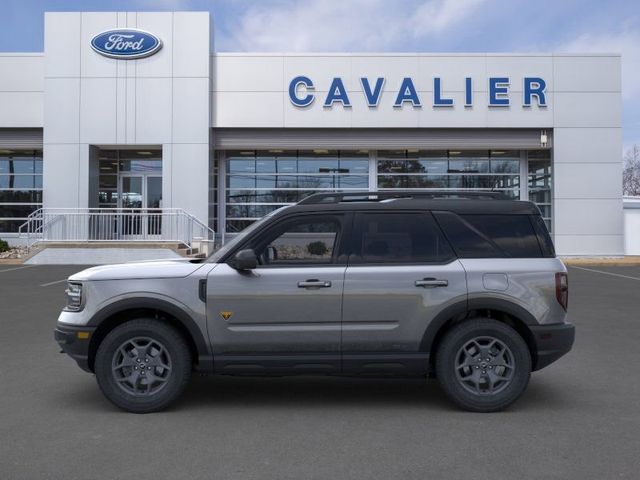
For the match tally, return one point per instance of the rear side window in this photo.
(467, 241)
(399, 238)
(486, 236)
(544, 239)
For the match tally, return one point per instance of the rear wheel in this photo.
(143, 365)
(483, 365)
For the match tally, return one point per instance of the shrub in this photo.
(317, 248)
(4, 246)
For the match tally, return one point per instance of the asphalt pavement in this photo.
(579, 419)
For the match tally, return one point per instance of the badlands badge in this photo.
(226, 315)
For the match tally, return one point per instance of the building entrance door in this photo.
(141, 201)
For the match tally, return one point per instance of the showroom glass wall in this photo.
(130, 179)
(20, 187)
(256, 182)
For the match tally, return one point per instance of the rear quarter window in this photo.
(491, 235)
(544, 239)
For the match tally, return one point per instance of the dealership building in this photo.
(132, 111)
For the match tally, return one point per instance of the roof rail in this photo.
(366, 196)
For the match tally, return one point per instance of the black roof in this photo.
(463, 202)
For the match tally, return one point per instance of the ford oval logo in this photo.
(126, 43)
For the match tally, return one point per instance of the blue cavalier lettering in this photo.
(498, 92)
(407, 93)
(534, 87)
(373, 97)
(293, 91)
(337, 93)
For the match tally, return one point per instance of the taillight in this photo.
(562, 289)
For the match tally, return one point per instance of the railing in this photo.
(113, 225)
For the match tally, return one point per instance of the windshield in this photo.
(239, 238)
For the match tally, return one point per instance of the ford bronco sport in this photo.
(462, 286)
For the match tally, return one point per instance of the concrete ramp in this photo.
(98, 256)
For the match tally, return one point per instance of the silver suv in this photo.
(462, 286)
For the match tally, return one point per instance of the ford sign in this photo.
(126, 43)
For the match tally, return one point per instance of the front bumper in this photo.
(75, 341)
(552, 342)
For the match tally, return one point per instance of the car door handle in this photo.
(313, 283)
(431, 283)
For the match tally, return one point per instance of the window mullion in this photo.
(373, 170)
(524, 176)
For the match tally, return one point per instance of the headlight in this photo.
(74, 297)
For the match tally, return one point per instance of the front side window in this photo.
(301, 241)
(399, 238)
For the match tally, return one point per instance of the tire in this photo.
(143, 365)
(471, 365)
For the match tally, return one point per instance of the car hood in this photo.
(139, 270)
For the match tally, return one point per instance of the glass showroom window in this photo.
(115, 164)
(258, 182)
(491, 170)
(20, 187)
(539, 178)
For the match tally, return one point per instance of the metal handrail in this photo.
(114, 225)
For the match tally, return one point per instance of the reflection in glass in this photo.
(141, 166)
(20, 186)
(540, 182)
(279, 178)
(236, 226)
(131, 192)
(20, 196)
(449, 181)
(20, 211)
(275, 177)
(113, 163)
(154, 192)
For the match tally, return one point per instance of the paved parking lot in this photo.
(580, 417)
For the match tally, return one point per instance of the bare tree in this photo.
(631, 171)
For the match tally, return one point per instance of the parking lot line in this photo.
(605, 273)
(16, 268)
(53, 283)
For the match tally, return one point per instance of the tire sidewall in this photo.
(178, 377)
(456, 339)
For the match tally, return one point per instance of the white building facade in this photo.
(229, 137)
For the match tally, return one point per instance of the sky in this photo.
(602, 26)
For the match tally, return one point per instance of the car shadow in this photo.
(286, 392)
(283, 393)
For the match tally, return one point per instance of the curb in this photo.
(629, 261)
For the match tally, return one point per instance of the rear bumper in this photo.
(552, 342)
(73, 344)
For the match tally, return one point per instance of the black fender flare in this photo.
(205, 357)
(459, 308)
(463, 307)
(505, 306)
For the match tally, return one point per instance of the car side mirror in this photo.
(245, 260)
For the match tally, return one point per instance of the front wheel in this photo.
(143, 365)
(483, 365)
